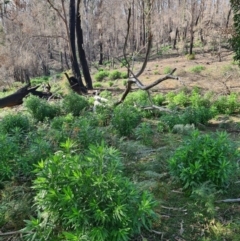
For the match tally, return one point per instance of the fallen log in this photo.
(17, 97)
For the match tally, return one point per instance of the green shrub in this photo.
(199, 115)
(10, 149)
(115, 75)
(124, 75)
(144, 133)
(106, 94)
(204, 158)
(139, 96)
(197, 100)
(87, 198)
(190, 56)
(41, 109)
(181, 99)
(102, 74)
(84, 131)
(159, 99)
(74, 103)
(167, 70)
(125, 119)
(197, 69)
(227, 104)
(110, 83)
(59, 121)
(10, 122)
(97, 85)
(190, 115)
(103, 115)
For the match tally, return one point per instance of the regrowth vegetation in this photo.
(106, 175)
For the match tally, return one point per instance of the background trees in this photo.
(33, 39)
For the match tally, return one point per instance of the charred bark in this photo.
(81, 51)
(17, 97)
(74, 62)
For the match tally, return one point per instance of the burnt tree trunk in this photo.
(81, 51)
(72, 24)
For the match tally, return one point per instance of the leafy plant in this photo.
(74, 103)
(180, 99)
(125, 119)
(87, 198)
(10, 149)
(190, 56)
(139, 96)
(41, 109)
(190, 115)
(102, 74)
(204, 158)
(106, 94)
(97, 85)
(10, 122)
(158, 99)
(197, 69)
(110, 83)
(124, 75)
(227, 104)
(197, 100)
(85, 133)
(167, 70)
(144, 133)
(115, 75)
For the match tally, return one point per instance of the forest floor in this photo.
(205, 71)
(182, 217)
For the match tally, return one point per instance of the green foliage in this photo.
(10, 150)
(167, 70)
(197, 69)
(97, 85)
(103, 115)
(125, 119)
(11, 122)
(191, 115)
(180, 99)
(115, 75)
(102, 74)
(227, 104)
(74, 103)
(124, 75)
(158, 99)
(144, 133)
(204, 158)
(164, 49)
(84, 133)
(110, 83)
(190, 56)
(139, 96)
(197, 100)
(87, 198)
(40, 80)
(106, 94)
(40, 108)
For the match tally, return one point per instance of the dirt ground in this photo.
(216, 76)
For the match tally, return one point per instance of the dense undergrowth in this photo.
(128, 173)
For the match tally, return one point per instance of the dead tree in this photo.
(133, 79)
(17, 97)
